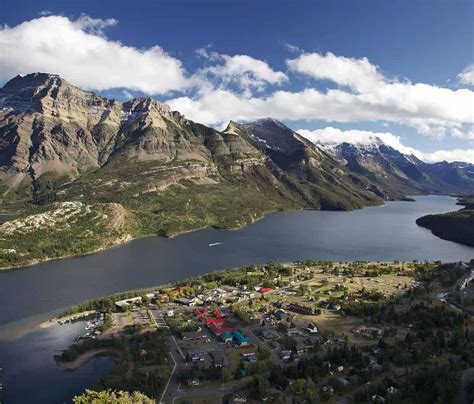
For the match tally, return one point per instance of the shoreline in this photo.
(56, 320)
(171, 236)
(85, 357)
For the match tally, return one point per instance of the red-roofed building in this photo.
(217, 313)
(216, 330)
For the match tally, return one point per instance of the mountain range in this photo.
(166, 174)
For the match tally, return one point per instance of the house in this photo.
(185, 301)
(252, 358)
(281, 314)
(377, 367)
(285, 355)
(301, 348)
(197, 355)
(220, 360)
(312, 329)
(269, 334)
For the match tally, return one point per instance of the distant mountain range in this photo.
(164, 174)
(401, 173)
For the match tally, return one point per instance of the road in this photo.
(172, 386)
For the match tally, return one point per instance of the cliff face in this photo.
(50, 129)
(53, 133)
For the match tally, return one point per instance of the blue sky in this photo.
(402, 67)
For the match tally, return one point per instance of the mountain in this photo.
(400, 173)
(312, 172)
(59, 144)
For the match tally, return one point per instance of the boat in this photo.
(213, 244)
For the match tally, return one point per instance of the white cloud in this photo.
(428, 109)
(79, 51)
(466, 155)
(246, 72)
(365, 96)
(464, 135)
(330, 136)
(372, 96)
(293, 48)
(359, 74)
(467, 75)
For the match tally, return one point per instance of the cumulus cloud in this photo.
(467, 75)
(428, 108)
(330, 136)
(79, 51)
(359, 74)
(364, 95)
(245, 71)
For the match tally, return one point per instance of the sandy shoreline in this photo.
(85, 357)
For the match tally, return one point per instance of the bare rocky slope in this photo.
(61, 144)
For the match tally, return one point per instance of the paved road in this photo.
(172, 385)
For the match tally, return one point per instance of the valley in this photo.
(257, 332)
(148, 171)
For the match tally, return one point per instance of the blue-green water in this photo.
(32, 294)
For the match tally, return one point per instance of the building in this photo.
(298, 308)
(240, 339)
(185, 301)
(124, 304)
(220, 360)
(193, 335)
(270, 334)
(252, 358)
(312, 329)
(285, 355)
(227, 336)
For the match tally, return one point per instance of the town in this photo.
(310, 331)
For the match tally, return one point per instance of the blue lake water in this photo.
(30, 295)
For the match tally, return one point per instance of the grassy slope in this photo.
(103, 226)
(230, 203)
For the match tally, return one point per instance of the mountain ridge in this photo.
(60, 144)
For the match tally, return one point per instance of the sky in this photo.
(335, 70)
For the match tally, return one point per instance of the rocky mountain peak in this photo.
(48, 94)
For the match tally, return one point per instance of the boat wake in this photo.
(214, 244)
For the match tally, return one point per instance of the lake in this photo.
(31, 295)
